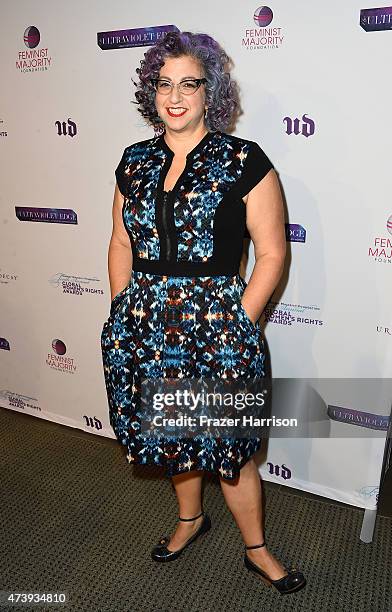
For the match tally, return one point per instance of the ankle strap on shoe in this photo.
(191, 519)
(255, 546)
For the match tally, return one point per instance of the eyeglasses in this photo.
(187, 87)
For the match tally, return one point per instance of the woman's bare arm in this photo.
(265, 222)
(120, 252)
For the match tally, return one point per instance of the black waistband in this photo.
(183, 268)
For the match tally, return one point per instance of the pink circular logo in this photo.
(59, 347)
(31, 37)
(263, 16)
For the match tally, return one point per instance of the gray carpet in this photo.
(76, 518)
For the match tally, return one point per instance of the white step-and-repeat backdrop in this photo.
(316, 96)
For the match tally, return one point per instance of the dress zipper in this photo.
(165, 225)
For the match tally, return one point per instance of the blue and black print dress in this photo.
(181, 314)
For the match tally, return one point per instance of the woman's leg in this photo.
(188, 490)
(243, 498)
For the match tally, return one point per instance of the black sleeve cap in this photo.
(257, 165)
(121, 177)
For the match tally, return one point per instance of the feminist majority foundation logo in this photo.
(381, 249)
(58, 360)
(33, 60)
(264, 36)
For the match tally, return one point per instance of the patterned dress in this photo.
(181, 314)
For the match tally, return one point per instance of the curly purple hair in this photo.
(222, 95)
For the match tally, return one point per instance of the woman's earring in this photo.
(205, 113)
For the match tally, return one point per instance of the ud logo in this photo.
(304, 126)
(66, 128)
(278, 470)
(92, 422)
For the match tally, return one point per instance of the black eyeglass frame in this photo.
(154, 83)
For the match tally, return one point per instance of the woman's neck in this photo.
(182, 143)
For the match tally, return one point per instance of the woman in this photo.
(182, 203)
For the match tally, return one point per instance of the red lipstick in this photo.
(177, 114)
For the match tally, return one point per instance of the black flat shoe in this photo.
(293, 581)
(160, 552)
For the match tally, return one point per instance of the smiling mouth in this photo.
(176, 112)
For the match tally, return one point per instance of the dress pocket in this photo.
(254, 326)
(244, 319)
(240, 287)
(116, 301)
